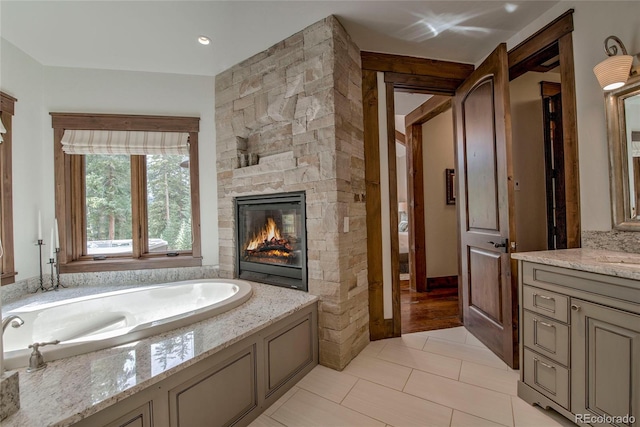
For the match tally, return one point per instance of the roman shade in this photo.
(2, 130)
(124, 142)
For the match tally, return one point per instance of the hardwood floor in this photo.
(426, 311)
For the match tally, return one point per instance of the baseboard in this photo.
(442, 282)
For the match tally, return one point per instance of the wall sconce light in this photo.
(614, 71)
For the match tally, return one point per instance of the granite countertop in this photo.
(72, 389)
(618, 264)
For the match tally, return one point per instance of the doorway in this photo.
(435, 307)
(382, 73)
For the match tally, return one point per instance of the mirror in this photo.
(623, 128)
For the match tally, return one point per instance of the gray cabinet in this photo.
(218, 396)
(605, 361)
(139, 417)
(580, 344)
(230, 387)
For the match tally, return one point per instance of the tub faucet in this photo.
(12, 319)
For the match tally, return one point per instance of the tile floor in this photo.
(434, 378)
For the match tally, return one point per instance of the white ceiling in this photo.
(160, 36)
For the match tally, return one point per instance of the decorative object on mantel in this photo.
(613, 72)
(247, 159)
(451, 185)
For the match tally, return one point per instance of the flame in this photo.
(270, 231)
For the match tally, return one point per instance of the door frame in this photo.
(442, 78)
(401, 73)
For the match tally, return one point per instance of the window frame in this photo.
(7, 109)
(70, 194)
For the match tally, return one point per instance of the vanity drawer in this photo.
(546, 376)
(548, 337)
(545, 302)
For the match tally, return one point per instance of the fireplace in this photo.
(271, 239)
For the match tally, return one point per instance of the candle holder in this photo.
(51, 263)
(58, 284)
(40, 244)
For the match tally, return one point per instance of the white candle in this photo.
(39, 225)
(52, 245)
(57, 234)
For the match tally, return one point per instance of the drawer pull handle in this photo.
(546, 365)
(575, 307)
(548, 325)
(544, 297)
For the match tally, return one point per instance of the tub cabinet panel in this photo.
(230, 387)
(139, 417)
(580, 343)
(122, 415)
(219, 396)
(287, 352)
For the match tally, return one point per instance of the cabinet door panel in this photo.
(547, 377)
(139, 417)
(605, 361)
(545, 302)
(546, 336)
(217, 397)
(287, 353)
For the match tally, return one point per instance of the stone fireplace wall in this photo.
(298, 105)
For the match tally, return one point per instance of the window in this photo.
(126, 191)
(7, 270)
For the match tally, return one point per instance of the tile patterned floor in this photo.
(434, 378)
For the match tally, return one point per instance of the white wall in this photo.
(440, 219)
(527, 126)
(22, 77)
(593, 22)
(42, 89)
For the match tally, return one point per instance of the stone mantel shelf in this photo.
(72, 389)
(610, 263)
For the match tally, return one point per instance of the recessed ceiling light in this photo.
(204, 40)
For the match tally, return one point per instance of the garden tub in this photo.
(109, 319)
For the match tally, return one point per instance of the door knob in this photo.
(575, 307)
(499, 245)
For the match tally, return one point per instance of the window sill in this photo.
(8, 278)
(90, 266)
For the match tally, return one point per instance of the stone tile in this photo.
(470, 353)
(378, 371)
(383, 404)
(526, 415)
(504, 381)
(428, 362)
(330, 384)
(265, 421)
(461, 419)
(467, 398)
(308, 409)
(278, 403)
(458, 334)
(409, 340)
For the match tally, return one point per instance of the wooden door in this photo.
(486, 215)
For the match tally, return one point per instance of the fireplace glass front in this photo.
(271, 239)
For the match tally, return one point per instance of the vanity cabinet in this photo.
(230, 387)
(580, 343)
(606, 363)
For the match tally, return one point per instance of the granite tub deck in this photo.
(610, 263)
(72, 389)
